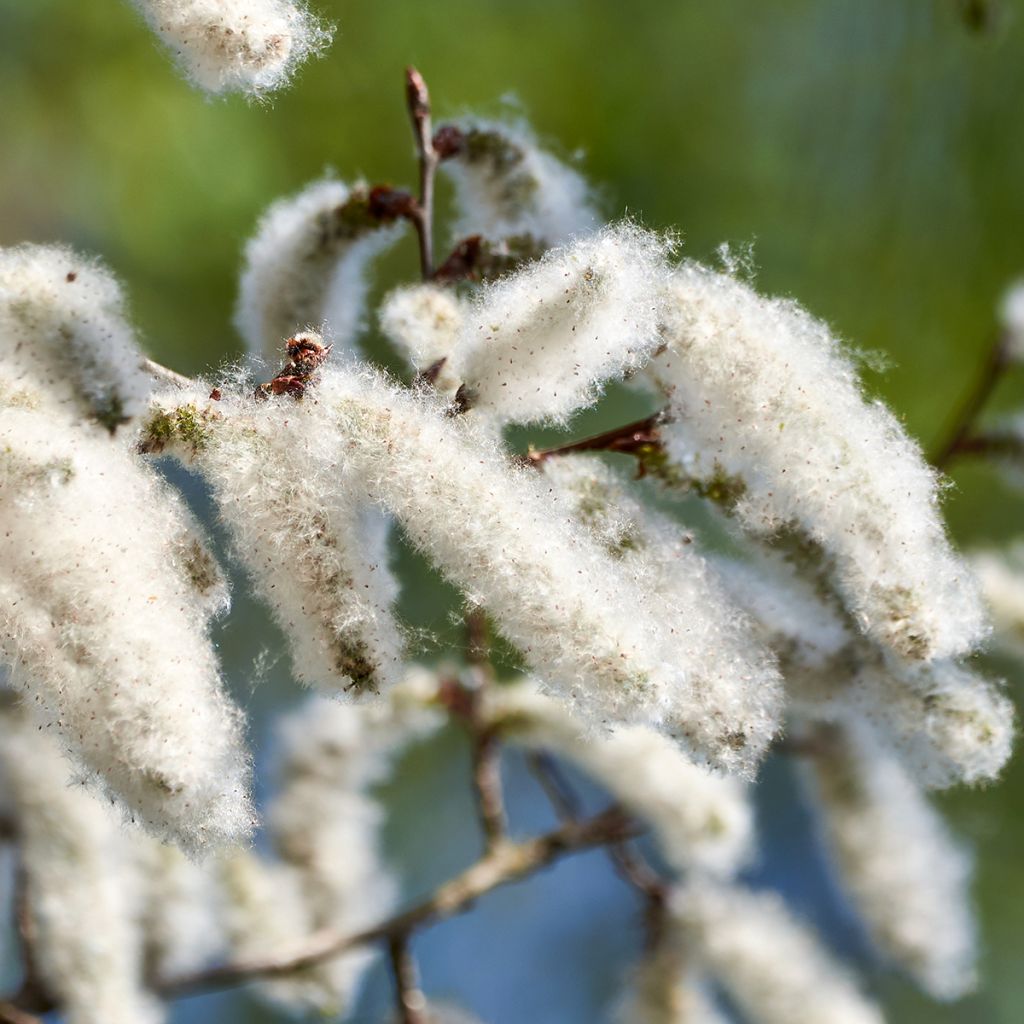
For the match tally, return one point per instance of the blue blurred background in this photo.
(871, 153)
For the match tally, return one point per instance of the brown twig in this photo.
(422, 216)
(627, 439)
(506, 863)
(957, 439)
(11, 1014)
(487, 785)
(412, 1005)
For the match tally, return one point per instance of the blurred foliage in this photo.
(869, 152)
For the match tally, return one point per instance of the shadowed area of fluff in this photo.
(250, 46)
(762, 393)
(103, 632)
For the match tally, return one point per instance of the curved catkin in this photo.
(763, 394)
(491, 527)
(81, 894)
(307, 263)
(506, 185)
(700, 820)
(325, 825)
(770, 965)
(539, 344)
(101, 630)
(65, 342)
(250, 46)
(734, 682)
(314, 547)
(906, 875)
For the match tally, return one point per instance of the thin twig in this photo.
(10, 1014)
(996, 363)
(490, 800)
(166, 374)
(627, 439)
(412, 1004)
(508, 862)
(418, 100)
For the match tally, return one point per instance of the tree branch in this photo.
(411, 1002)
(422, 216)
(506, 863)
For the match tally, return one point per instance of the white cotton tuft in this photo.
(423, 322)
(734, 690)
(315, 549)
(700, 820)
(250, 46)
(540, 343)
(771, 966)
(763, 394)
(948, 724)
(491, 527)
(907, 876)
(81, 895)
(180, 909)
(101, 629)
(1002, 580)
(506, 185)
(1011, 319)
(65, 342)
(306, 264)
(325, 825)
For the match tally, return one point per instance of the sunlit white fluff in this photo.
(506, 185)
(772, 967)
(1002, 580)
(250, 46)
(325, 825)
(100, 627)
(733, 682)
(540, 343)
(763, 392)
(306, 264)
(700, 820)
(317, 552)
(489, 524)
(64, 336)
(423, 322)
(907, 876)
(82, 899)
(1011, 318)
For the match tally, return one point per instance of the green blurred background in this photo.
(871, 151)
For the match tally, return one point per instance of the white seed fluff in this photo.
(763, 392)
(1002, 580)
(772, 967)
(491, 527)
(907, 876)
(539, 344)
(1011, 319)
(316, 551)
(250, 46)
(423, 322)
(65, 337)
(733, 681)
(506, 185)
(306, 265)
(100, 628)
(82, 900)
(700, 820)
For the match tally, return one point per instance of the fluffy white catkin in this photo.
(539, 344)
(65, 342)
(1002, 580)
(250, 46)
(1011, 319)
(700, 820)
(771, 966)
(732, 677)
(316, 551)
(581, 622)
(423, 322)
(907, 876)
(762, 392)
(506, 185)
(81, 895)
(101, 629)
(305, 264)
(325, 825)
